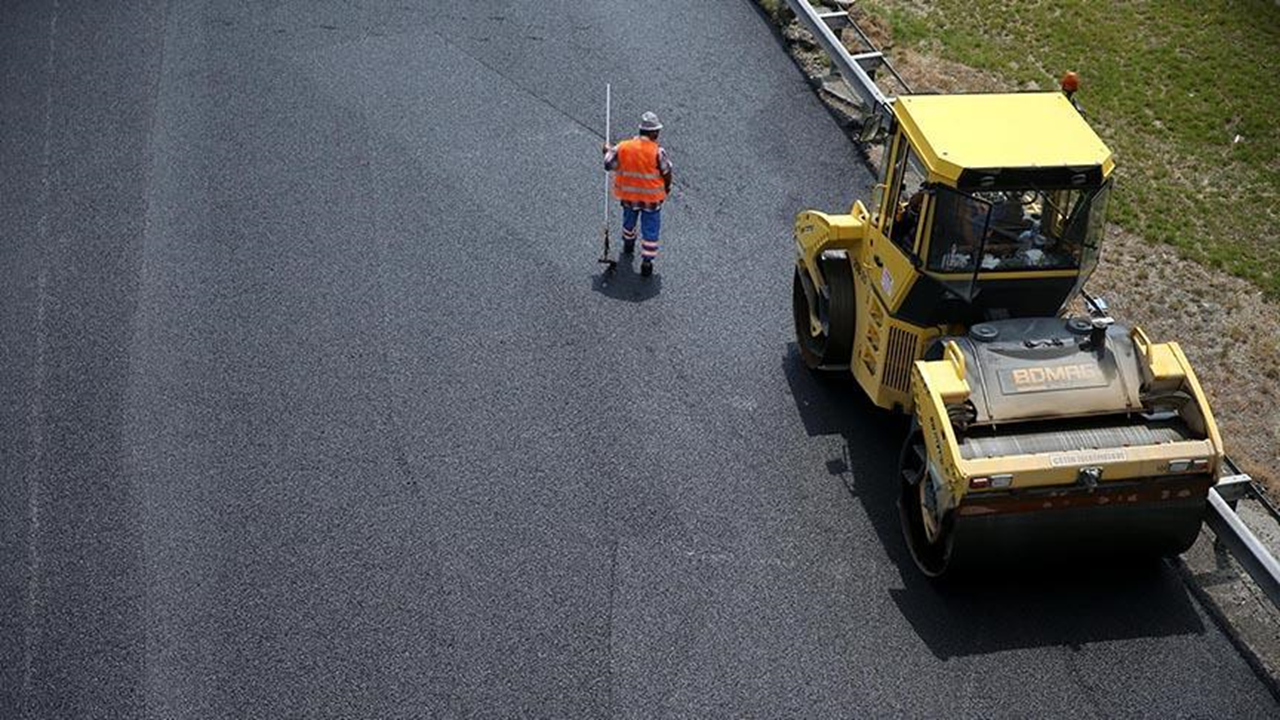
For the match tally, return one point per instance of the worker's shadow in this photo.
(999, 608)
(625, 283)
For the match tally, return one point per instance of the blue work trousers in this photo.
(650, 222)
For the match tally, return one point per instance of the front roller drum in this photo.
(829, 345)
(1122, 521)
(930, 540)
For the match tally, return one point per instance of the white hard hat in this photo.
(649, 122)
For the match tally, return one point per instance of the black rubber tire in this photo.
(833, 350)
(932, 558)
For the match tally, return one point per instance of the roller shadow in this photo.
(625, 283)
(995, 609)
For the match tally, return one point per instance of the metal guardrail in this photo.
(1227, 527)
(822, 23)
(856, 72)
(852, 76)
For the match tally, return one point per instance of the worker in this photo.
(970, 215)
(906, 219)
(641, 181)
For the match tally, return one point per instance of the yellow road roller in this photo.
(948, 297)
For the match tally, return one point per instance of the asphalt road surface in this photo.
(313, 403)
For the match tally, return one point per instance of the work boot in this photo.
(646, 267)
(628, 246)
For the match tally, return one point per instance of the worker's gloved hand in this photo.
(606, 148)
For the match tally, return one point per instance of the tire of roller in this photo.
(933, 559)
(835, 348)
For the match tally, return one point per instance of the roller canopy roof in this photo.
(1000, 140)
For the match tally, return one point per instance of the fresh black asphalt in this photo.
(313, 403)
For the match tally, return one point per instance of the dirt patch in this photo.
(1224, 324)
(928, 74)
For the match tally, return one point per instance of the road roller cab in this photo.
(989, 206)
(947, 296)
(997, 199)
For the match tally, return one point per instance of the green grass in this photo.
(1169, 84)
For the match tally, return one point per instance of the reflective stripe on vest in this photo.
(637, 178)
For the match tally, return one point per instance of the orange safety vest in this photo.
(637, 178)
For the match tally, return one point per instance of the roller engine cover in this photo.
(1031, 368)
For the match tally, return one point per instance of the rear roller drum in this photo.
(828, 349)
(930, 539)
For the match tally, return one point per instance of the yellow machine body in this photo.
(949, 303)
(941, 383)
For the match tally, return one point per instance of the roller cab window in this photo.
(905, 198)
(1016, 230)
